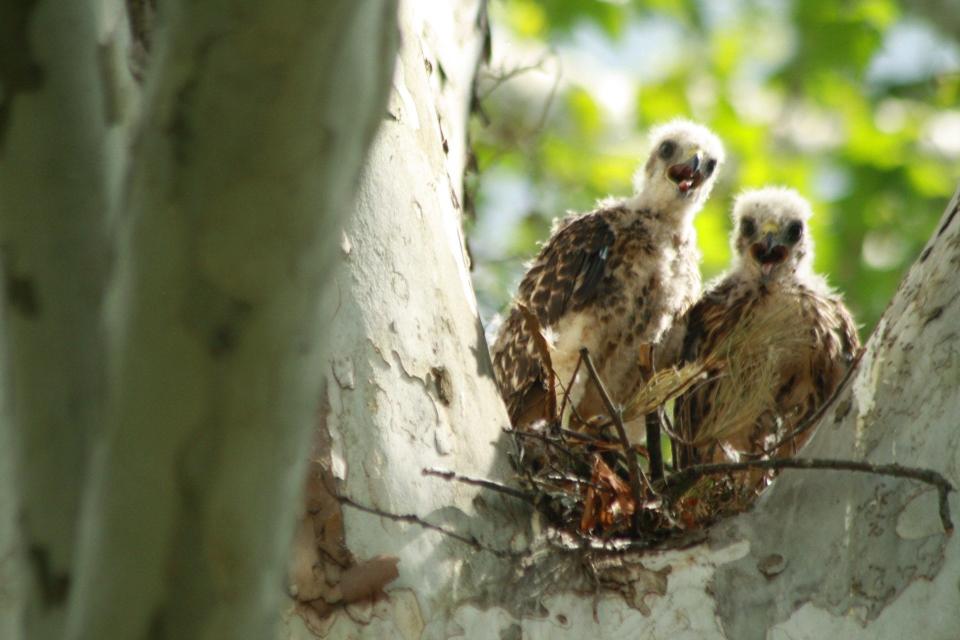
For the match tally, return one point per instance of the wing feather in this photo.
(566, 275)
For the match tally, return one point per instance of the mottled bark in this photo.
(256, 119)
(65, 102)
(409, 382)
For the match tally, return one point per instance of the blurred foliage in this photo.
(796, 90)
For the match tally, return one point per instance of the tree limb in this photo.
(943, 486)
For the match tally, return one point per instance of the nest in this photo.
(591, 479)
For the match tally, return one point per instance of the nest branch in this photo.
(410, 518)
(444, 474)
(693, 473)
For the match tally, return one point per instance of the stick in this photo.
(566, 391)
(409, 518)
(635, 473)
(943, 486)
(653, 446)
(550, 442)
(443, 474)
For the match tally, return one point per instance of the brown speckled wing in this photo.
(707, 322)
(837, 340)
(565, 276)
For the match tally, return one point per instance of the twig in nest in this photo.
(566, 391)
(636, 475)
(554, 442)
(417, 520)
(583, 435)
(943, 486)
(443, 474)
(669, 429)
(815, 417)
(654, 452)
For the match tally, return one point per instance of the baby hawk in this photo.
(800, 338)
(611, 279)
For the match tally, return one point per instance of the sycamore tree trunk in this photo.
(408, 387)
(151, 463)
(163, 287)
(66, 103)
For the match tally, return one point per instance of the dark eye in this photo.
(748, 227)
(667, 147)
(794, 231)
(710, 166)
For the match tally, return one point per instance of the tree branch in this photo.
(410, 518)
(568, 389)
(943, 486)
(519, 494)
(653, 445)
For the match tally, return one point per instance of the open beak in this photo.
(768, 254)
(687, 175)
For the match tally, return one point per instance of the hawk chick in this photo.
(612, 279)
(798, 337)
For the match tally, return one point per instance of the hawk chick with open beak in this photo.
(611, 279)
(801, 340)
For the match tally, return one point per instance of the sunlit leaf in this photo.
(586, 112)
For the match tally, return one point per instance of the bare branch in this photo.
(498, 79)
(569, 387)
(443, 474)
(554, 442)
(943, 486)
(410, 518)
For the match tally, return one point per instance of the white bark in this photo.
(242, 171)
(862, 556)
(66, 102)
(257, 115)
(409, 381)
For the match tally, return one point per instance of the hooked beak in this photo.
(687, 175)
(768, 254)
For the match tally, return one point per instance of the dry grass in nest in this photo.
(745, 370)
